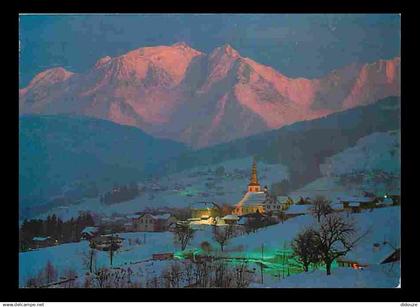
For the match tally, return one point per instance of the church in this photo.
(254, 199)
(259, 200)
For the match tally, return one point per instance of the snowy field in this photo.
(372, 156)
(375, 276)
(384, 224)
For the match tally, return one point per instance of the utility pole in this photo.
(111, 249)
(261, 263)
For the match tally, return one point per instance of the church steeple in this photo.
(254, 185)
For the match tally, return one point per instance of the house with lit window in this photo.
(150, 222)
(205, 210)
(277, 204)
(356, 204)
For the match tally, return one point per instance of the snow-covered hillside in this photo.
(373, 164)
(384, 224)
(375, 276)
(184, 189)
(377, 151)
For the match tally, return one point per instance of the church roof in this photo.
(252, 198)
(231, 217)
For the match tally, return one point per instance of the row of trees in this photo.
(221, 234)
(120, 194)
(216, 274)
(55, 228)
(49, 275)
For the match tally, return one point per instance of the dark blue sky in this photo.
(297, 45)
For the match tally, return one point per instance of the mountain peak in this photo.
(102, 61)
(181, 44)
(227, 50)
(51, 76)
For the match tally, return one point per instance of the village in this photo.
(205, 231)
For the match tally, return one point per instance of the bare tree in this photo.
(202, 274)
(321, 207)
(242, 276)
(113, 246)
(305, 248)
(222, 234)
(183, 234)
(188, 269)
(335, 237)
(35, 281)
(70, 275)
(50, 272)
(172, 276)
(89, 260)
(111, 278)
(222, 275)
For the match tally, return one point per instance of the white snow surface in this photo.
(184, 189)
(383, 225)
(375, 276)
(380, 150)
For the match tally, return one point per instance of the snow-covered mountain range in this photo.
(202, 99)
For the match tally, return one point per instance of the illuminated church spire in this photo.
(254, 185)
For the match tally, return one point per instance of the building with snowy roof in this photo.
(205, 210)
(253, 200)
(230, 219)
(296, 210)
(89, 232)
(356, 204)
(150, 222)
(39, 242)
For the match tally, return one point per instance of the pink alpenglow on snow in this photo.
(184, 94)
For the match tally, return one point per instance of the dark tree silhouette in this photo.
(321, 207)
(183, 234)
(222, 234)
(335, 237)
(306, 249)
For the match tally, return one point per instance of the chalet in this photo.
(356, 204)
(297, 210)
(377, 253)
(39, 242)
(386, 202)
(393, 257)
(106, 242)
(350, 263)
(89, 232)
(150, 222)
(230, 219)
(251, 217)
(205, 210)
(278, 203)
(396, 198)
